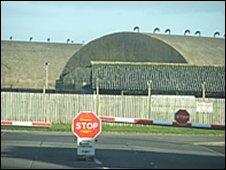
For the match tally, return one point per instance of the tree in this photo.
(136, 28)
(167, 30)
(72, 41)
(10, 37)
(156, 29)
(30, 38)
(216, 33)
(198, 32)
(68, 40)
(48, 39)
(187, 31)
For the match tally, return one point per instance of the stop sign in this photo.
(182, 117)
(86, 125)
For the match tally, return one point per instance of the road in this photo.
(29, 149)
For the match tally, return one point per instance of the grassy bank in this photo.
(153, 129)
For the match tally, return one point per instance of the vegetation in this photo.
(153, 129)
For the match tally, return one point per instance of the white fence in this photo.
(61, 108)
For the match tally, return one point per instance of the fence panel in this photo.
(217, 116)
(163, 108)
(61, 108)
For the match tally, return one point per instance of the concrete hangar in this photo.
(120, 62)
(127, 62)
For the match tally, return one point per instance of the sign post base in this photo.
(86, 126)
(85, 149)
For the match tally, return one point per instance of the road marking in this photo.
(2, 133)
(213, 151)
(100, 163)
(210, 143)
(97, 161)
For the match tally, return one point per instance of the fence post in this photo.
(122, 110)
(44, 106)
(97, 96)
(203, 90)
(149, 83)
(46, 74)
(44, 90)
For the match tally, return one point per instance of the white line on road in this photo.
(213, 151)
(2, 133)
(99, 163)
(211, 143)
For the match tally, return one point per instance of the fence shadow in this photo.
(111, 158)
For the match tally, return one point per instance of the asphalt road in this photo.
(21, 149)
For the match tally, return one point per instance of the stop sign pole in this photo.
(86, 126)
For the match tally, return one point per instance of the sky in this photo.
(84, 21)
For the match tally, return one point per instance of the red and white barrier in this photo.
(25, 123)
(111, 119)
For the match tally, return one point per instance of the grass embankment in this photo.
(153, 129)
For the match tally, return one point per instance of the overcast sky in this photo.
(86, 21)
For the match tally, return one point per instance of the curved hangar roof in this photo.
(196, 50)
(141, 47)
(144, 47)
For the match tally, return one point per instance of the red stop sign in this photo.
(182, 117)
(86, 125)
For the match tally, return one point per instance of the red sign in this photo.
(86, 125)
(182, 117)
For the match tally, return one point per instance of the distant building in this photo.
(121, 62)
(126, 61)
